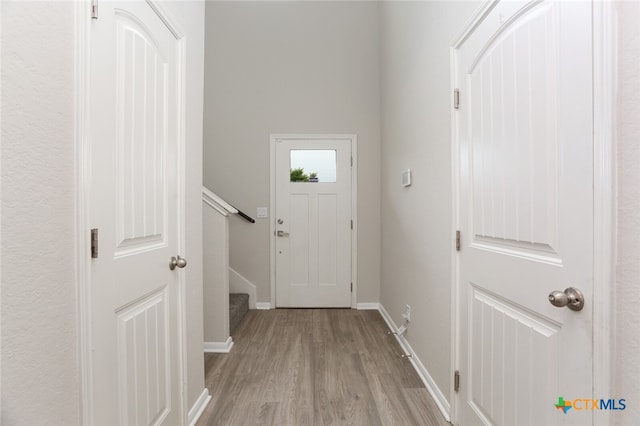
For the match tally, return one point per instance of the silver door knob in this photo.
(177, 261)
(282, 234)
(571, 297)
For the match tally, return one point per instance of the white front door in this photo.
(313, 223)
(525, 135)
(135, 203)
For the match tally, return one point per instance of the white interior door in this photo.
(526, 213)
(135, 203)
(313, 223)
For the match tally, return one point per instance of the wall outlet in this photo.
(407, 313)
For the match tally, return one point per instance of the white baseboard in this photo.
(239, 284)
(219, 347)
(198, 408)
(368, 306)
(429, 383)
(263, 306)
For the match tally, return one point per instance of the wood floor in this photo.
(315, 367)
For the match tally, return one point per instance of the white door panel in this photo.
(526, 213)
(135, 135)
(313, 253)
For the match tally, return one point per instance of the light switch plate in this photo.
(406, 178)
(262, 212)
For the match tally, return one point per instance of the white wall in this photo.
(627, 359)
(417, 238)
(40, 367)
(1, 8)
(216, 275)
(290, 67)
(40, 375)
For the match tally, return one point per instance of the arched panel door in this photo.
(135, 204)
(525, 134)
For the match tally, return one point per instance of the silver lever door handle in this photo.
(177, 261)
(282, 234)
(571, 297)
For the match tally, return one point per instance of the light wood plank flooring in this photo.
(315, 367)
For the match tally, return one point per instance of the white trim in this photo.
(239, 284)
(182, 240)
(483, 10)
(272, 223)
(424, 375)
(455, 225)
(368, 306)
(354, 206)
(182, 201)
(167, 19)
(604, 214)
(263, 306)
(82, 162)
(220, 205)
(1, 221)
(219, 347)
(198, 408)
(354, 216)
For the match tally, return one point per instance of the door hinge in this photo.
(94, 9)
(351, 161)
(456, 98)
(456, 381)
(458, 240)
(94, 243)
(351, 223)
(351, 287)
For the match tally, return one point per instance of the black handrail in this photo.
(244, 216)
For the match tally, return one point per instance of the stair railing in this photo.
(222, 206)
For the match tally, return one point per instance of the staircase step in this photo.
(238, 308)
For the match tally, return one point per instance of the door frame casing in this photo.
(273, 138)
(604, 113)
(82, 173)
(604, 208)
(82, 219)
